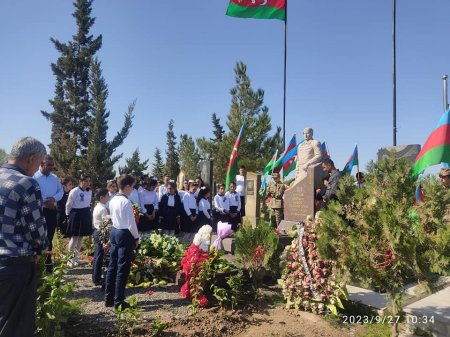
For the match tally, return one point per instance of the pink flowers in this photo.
(203, 301)
(150, 293)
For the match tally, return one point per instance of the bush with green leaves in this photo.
(255, 248)
(378, 236)
(53, 306)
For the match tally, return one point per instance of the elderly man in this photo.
(309, 153)
(23, 237)
(52, 192)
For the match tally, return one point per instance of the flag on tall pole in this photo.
(352, 161)
(268, 170)
(258, 9)
(279, 163)
(290, 160)
(436, 149)
(233, 165)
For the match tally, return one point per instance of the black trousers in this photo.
(51, 220)
(18, 292)
(99, 254)
(121, 255)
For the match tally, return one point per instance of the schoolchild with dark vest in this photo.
(221, 208)
(149, 205)
(234, 200)
(170, 210)
(190, 207)
(204, 207)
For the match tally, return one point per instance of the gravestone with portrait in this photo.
(253, 199)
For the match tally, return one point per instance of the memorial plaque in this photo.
(250, 187)
(299, 199)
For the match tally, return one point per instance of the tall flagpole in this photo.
(284, 91)
(394, 78)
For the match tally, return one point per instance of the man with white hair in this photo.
(23, 237)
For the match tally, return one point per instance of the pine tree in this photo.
(135, 166)
(70, 116)
(378, 236)
(208, 147)
(256, 146)
(172, 159)
(158, 167)
(100, 159)
(189, 156)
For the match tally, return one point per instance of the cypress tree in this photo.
(100, 154)
(172, 158)
(3, 156)
(158, 168)
(70, 116)
(134, 165)
(189, 156)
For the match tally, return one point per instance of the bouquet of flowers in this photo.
(105, 230)
(137, 212)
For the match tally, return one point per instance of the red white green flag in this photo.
(233, 164)
(258, 9)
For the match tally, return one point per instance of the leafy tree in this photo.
(100, 153)
(208, 147)
(134, 165)
(379, 237)
(158, 167)
(256, 147)
(172, 158)
(70, 116)
(189, 156)
(3, 156)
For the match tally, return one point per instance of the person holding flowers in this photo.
(100, 212)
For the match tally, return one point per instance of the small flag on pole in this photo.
(352, 161)
(233, 165)
(279, 163)
(325, 151)
(258, 9)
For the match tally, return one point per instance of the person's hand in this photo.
(50, 203)
(178, 221)
(305, 167)
(135, 243)
(193, 217)
(36, 258)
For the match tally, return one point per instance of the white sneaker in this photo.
(72, 263)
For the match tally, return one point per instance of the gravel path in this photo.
(165, 304)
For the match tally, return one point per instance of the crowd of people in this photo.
(35, 203)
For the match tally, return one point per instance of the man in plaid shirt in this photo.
(23, 236)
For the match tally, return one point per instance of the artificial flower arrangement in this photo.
(137, 212)
(308, 281)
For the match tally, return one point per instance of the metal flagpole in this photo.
(394, 77)
(445, 77)
(284, 91)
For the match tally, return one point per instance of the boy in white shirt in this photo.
(124, 239)
(100, 212)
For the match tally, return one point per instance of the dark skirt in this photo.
(144, 224)
(203, 220)
(169, 221)
(80, 222)
(190, 226)
(218, 217)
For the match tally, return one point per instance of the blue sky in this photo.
(177, 58)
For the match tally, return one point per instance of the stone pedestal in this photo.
(252, 197)
(299, 199)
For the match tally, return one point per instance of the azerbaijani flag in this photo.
(437, 147)
(325, 151)
(352, 161)
(233, 165)
(258, 9)
(269, 169)
(289, 160)
(279, 163)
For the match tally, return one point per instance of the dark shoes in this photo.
(124, 305)
(109, 304)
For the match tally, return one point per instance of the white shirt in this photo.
(134, 197)
(189, 203)
(50, 186)
(182, 193)
(221, 203)
(171, 200)
(122, 217)
(240, 185)
(100, 211)
(204, 206)
(162, 190)
(234, 199)
(78, 199)
(148, 198)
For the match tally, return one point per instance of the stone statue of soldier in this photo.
(309, 153)
(276, 192)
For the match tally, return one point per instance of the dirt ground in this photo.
(263, 318)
